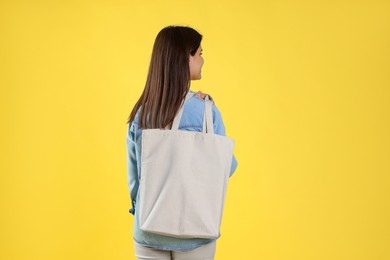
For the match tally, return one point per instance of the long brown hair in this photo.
(168, 79)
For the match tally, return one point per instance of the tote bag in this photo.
(183, 178)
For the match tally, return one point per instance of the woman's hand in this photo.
(201, 95)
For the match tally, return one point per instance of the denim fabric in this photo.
(191, 120)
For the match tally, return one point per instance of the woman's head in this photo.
(176, 52)
(196, 63)
(175, 61)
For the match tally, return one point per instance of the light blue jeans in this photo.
(205, 252)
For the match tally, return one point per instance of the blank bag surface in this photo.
(183, 179)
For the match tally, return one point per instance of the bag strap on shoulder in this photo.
(208, 126)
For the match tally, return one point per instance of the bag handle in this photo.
(207, 116)
(208, 126)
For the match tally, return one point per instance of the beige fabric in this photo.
(183, 179)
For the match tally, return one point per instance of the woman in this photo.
(176, 60)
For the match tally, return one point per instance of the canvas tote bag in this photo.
(183, 178)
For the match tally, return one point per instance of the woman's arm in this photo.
(219, 128)
(132, 168)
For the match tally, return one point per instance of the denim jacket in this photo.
(191, 120)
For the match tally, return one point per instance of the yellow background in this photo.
(303, 88)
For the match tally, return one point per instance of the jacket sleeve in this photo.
(219, 128)
(132, 168)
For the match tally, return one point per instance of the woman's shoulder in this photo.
(192, 115)
(194, 111)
